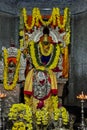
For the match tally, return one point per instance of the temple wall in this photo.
(78, 58)
(13, 6)
(8, 30)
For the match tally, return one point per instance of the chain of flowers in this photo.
(64, 115)
(55, 59)
(21, 114)
(15, 78)
(19, 126)
(42, 116)
(21, 40)
(36, 17)
(59, 111)
(34, 57)
(46, 53)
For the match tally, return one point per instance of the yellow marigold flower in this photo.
(21, 33)
(21, 115)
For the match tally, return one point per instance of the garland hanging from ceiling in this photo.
(54, 19)
(36, 19)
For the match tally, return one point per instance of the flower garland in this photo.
(55, 19)
(21, 115)
(66, 10)
(21, 41)
(36, 17)
(34, 14)
(42, 50)
(45, 23)
(19, 126)
(5, 82)
(37, 64)
(67, 37)
(55, 101)
(60, 112)
(42, 116)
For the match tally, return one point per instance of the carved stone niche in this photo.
(61, 84)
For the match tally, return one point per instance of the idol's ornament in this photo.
(44, 41)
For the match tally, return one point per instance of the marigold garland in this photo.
(60, 112)
(15, 78)
(21, 115)
(18, 126)
(42, 116)
(46, 53)
(36, 62)
(55, 18)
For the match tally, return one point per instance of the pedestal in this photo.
(11, 98)
(61, 84)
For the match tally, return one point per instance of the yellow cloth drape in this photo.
(28, 81)
(53, 79)
(29, 84)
